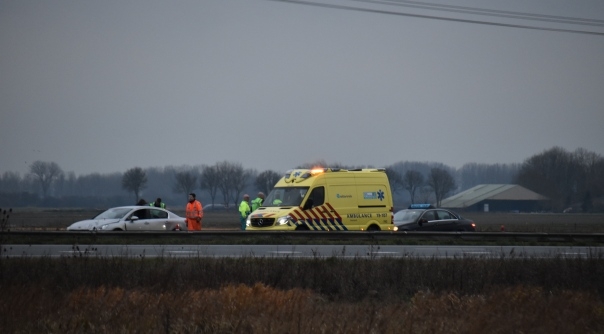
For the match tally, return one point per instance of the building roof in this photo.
(492, 192)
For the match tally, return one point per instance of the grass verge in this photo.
(283, 295)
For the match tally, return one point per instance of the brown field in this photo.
(263, 295)
(59, 219)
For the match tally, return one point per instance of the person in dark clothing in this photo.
(158, 203)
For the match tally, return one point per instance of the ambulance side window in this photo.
(316, 198)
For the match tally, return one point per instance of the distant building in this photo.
(496, 198)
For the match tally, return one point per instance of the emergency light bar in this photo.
(421, 206)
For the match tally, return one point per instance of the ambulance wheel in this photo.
(373, 228)
(302, 228)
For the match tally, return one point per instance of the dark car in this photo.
(425, 217)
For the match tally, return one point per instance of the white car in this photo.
(132, 218)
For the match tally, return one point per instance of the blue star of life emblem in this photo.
(296, 174)
(380, 195)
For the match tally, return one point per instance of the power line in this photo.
(377, 11)
(488, 12)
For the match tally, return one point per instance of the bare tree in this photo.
(239, 180)
(11, 182)
(266, 180)
(550, 174)
(134, 180)
(222, 172)
(65, 184)
(232, 180)
(412, 181)
(472, 174)
(590, 178)
(395, 180)
(45, 173)
(210, 181)
(565, 178)
(185, 182)
(441, 183)
(425, 194)
(91, 184)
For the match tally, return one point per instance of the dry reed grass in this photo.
(258, 295)
(261, 309)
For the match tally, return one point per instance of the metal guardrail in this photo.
(318, 235)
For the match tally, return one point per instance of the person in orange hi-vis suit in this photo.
(194, 213)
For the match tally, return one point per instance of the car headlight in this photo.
(285, 220)
(104, 227)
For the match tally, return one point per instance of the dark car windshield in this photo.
(114, 213)
(408, 215)
(285, 196)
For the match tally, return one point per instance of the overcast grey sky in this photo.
(104, 86)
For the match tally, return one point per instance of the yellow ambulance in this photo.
(327, 199)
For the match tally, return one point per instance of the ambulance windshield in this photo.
(285, 196)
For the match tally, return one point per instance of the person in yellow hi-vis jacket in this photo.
(244, 210)
(257, 202)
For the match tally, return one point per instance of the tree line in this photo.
(568, 179)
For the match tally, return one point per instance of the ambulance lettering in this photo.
(358, 215)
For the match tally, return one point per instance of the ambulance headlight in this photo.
(248, 221)
(283, 220)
